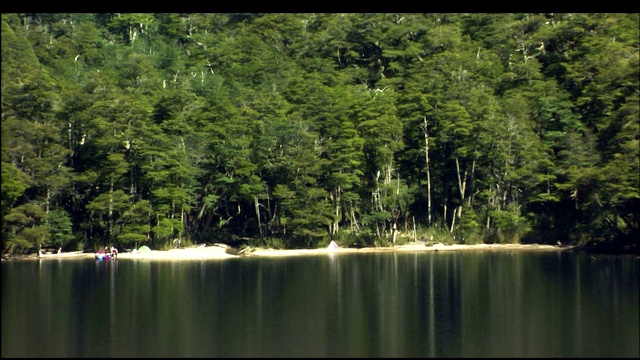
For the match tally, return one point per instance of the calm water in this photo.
(462, 304)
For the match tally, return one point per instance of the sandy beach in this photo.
(219, 252)
(405, 248)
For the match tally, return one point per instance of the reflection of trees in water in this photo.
(432, 310)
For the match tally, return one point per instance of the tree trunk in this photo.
(453, 220)
(336, 222)
(415, 236)
(462, 184)
(111, 210)
(426, 155)
(257, 206)
(444, 213)
(183, 221)
(471, 182)
(395, 231)
(354, 220)
(489, 207)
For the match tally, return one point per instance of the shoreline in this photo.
(405, 248)
(218, 252)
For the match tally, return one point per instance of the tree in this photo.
(61, 228)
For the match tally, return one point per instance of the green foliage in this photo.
(13, 185)
(435, 235)
(272, 243)
(25, 228)
(470, 228)
(164, 230)
(60, 226)
(136, 227)
(509, 226)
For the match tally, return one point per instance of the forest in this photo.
(290, 130)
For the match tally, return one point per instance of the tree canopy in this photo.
(303, 128)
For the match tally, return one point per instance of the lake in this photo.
(496, 303)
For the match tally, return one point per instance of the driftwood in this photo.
(246, 250)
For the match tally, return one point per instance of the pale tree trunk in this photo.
(393, 222)
(462, 184)
(453, 220)
(336, 222)
(489, 207)
(111, 209)
(473, 171)
(354, 219)
(415, 236)
(183, 220)
(257, 206)
(376, 194)
(377, 202)
(444, 213)
(332, 200)
(395, 232)
(201, 212)
(426, 154)
(396, 212)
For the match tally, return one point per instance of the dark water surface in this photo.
(436, 304)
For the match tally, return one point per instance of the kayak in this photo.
(100, 256)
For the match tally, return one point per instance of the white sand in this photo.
(194, 253)
(216, 252)
(404, 248)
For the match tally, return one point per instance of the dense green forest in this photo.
(292, 130)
